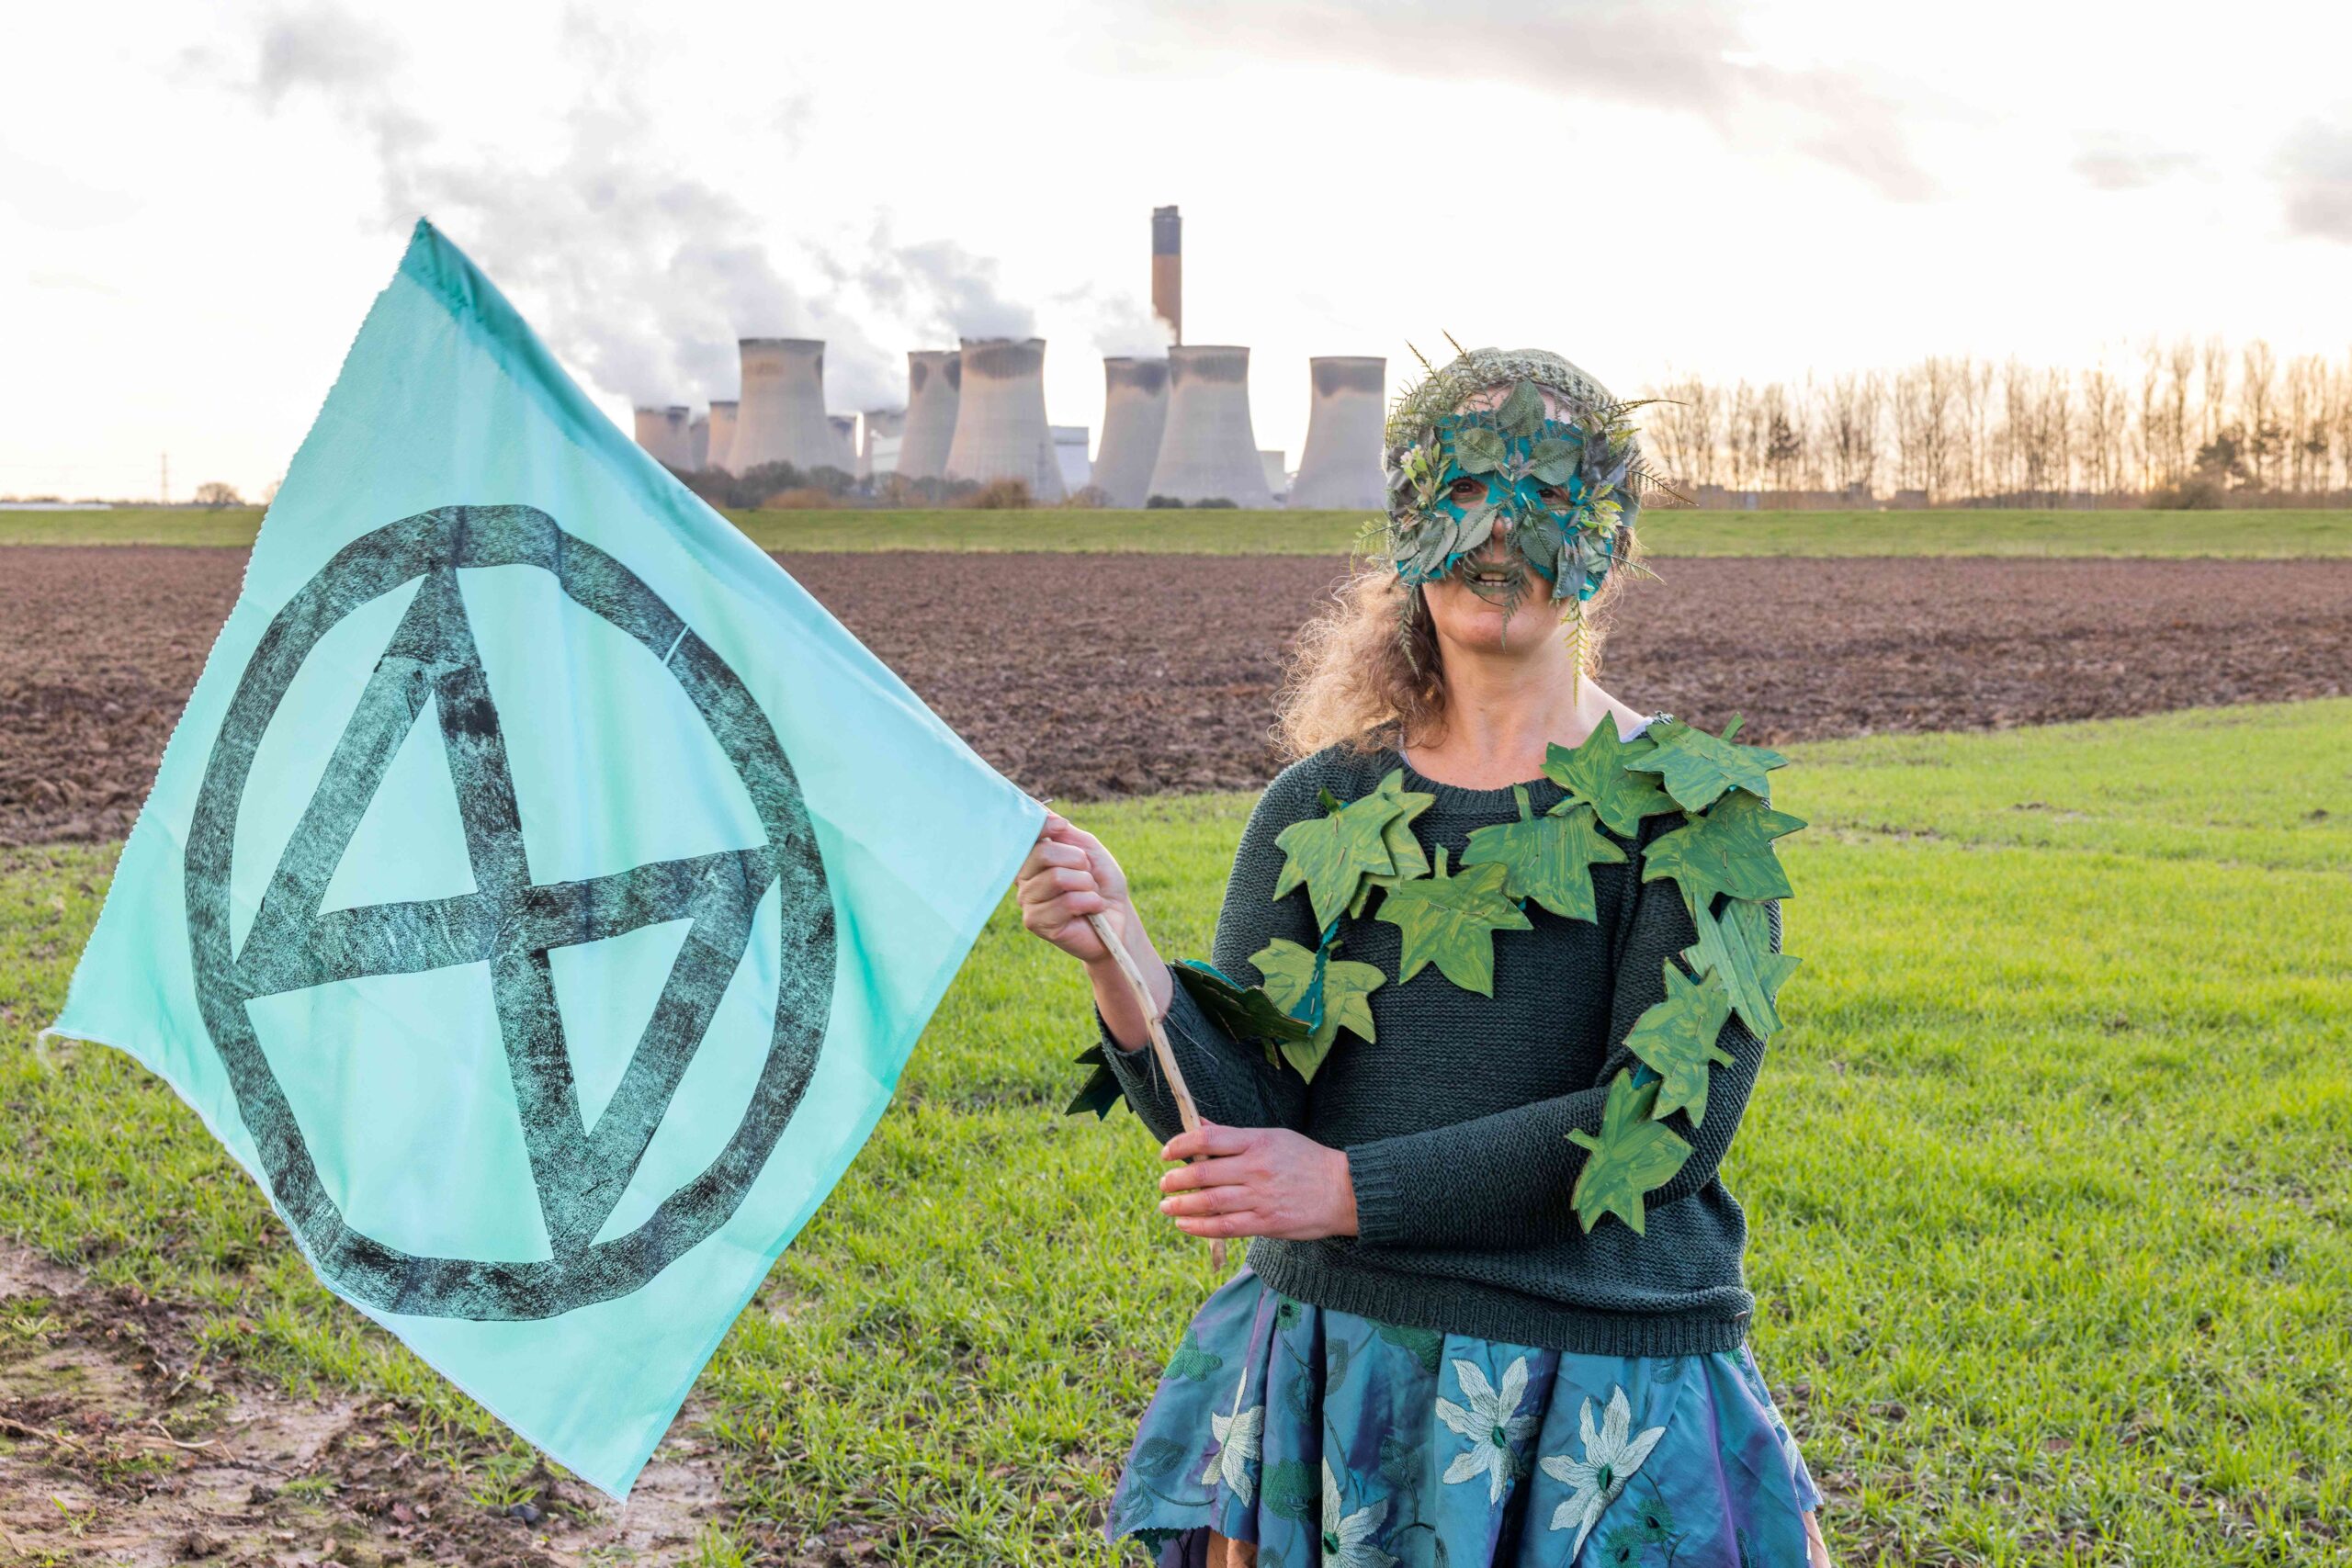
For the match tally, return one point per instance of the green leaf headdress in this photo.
(1565, 485)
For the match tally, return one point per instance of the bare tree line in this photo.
(2183, 424)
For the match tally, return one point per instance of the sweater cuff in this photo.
(1190, 1035)
(1377, 1175)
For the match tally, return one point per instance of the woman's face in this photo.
(1492, 601)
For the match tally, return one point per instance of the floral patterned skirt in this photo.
(1330, 1440)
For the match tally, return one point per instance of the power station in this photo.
(722, 434)
(1000, 430)
(1208, 452)
(1176, 428)
(1341, 466)
(935, 380)
(780, 415)
(1135, 409)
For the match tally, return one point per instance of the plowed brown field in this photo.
(1086, 676)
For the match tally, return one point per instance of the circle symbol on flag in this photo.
(508, 921)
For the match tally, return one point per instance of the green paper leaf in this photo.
(1635, 1154)
(1553, 461)
(1404, 847)
(1327, 994)
(1548, 858)
(1596, 773)
(1737, 944)
(1332, 854)
(1728, 850)
(1697, 767)
(1101, 1092)
(1677, 1037)
(1451, 921)
(1479, 450)
(1521, 412)
(1245, 1012)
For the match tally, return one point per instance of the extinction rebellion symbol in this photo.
(509, 922)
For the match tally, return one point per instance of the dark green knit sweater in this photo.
(1456, 1120)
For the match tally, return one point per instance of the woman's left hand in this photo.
(1257, 1181)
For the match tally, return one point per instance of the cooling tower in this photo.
(1134, 408)
(844, 440)
(1269, 462)
(698, 442)
(722, 434)
(935, 380)
(1339, 469)
(1168, 270)
(1000, 431)
(781, 415)
(654, 433)
(1207, 451)
(877, 450)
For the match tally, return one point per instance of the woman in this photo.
(1493, 1311)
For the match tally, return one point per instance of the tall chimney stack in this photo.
(1168, 270)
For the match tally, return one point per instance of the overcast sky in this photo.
(197, 203)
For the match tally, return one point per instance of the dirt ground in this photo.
(120, 1443)
(1088, 676)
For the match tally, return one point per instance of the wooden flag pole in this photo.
(1186, 1112)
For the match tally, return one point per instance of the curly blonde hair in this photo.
(1366, 673)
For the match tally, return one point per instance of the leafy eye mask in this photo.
(1556, 491)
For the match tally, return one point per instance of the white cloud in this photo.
(2315, 177)
(1730, 185)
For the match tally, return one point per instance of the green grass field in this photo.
(2048, 1179)
(2248, 534)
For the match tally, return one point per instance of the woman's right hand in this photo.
(1067, 877)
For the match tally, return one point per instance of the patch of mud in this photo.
(1083, 677)
(119, 1444)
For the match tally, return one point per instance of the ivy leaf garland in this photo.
(1599, 772)
(1404, 847)
(1451, 920)
(1333, 853)
(1728, 850)
(1737, 945)
(1548, 858)
(1101, 1092)
(1696, 768)
(1677, 1037)
(1722, 853)
(1334, 993)
(1633, 1154)
(1245, 1012)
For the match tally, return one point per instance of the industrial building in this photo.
(880, 431)
(663, 433)
(1269, 460)
(1070, 455)
(1207, 450)
(1135, 411)
(934, 383)
(780, 417)
(722, 433)
(1341, 466)
(1001, 431)
(1168, 270)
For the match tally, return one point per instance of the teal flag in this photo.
(541, 893)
